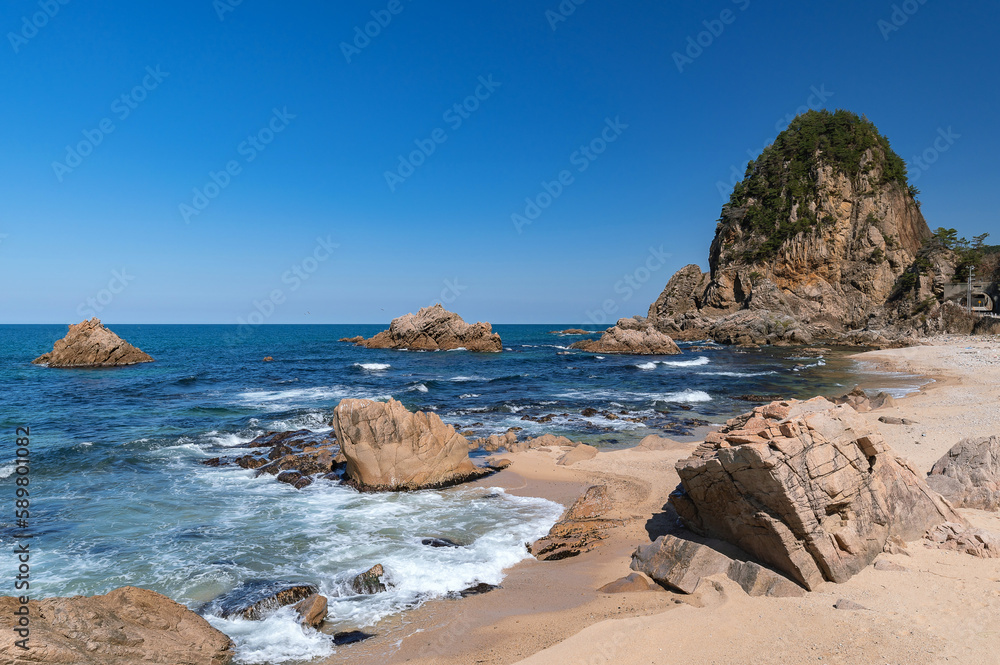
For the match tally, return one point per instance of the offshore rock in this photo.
(90, 344)
(635, 336)
(433, 329)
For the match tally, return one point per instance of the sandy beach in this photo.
(943, 608)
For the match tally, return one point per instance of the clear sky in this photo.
(176, 162)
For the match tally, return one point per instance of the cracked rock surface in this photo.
(808, 488)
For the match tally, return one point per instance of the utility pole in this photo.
(969, 301)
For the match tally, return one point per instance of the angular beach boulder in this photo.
(433, 329)
(808, 488)
(388, 448)
(968, 475)
(635, 336)
(580, 529)
(124, 627)
(90, 344)
(681, 564)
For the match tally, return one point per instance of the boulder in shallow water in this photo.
(435, 329)
(90, 344)
(312, 610)
(392, 449)
(369, 582)
(255, 599)
(124, 627)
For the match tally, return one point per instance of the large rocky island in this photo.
(90, 344)
(823, 238)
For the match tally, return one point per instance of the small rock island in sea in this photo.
(433, 329)
(90, 344)
(635, 336)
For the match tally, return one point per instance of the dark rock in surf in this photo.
(255, 599)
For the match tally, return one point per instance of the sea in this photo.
(119, 496)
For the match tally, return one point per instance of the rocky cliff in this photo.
(814, 240)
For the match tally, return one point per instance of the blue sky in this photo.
(93, 221)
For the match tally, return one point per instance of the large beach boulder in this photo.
(969, 474)
(635, 336)
(389, 448)
(432, 329)
(124, 627)
(808, 488)
(90, 344)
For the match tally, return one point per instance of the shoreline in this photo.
(551, 611)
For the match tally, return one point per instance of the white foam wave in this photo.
(373, 367)
(419, 388)
(231, 439)
(647, 366)
(736, 374)
(464, 379)
(695, 362)
(459, 348)
(688, 396)
(469, 395)
(5, 471)
(277, 400)
(279, 638)
(818, 363)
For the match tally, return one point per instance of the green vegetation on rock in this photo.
(784, 178)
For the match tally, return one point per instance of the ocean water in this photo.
(119, 496)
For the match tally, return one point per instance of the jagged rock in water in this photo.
(635, 336)
(255, 599)
(293, 457)
(124, 627)
(968, 475)
(808, 488)
(90, 344)
(369, 582)
(432, 329)
(821, 230)
(312, 610)
(389, 448)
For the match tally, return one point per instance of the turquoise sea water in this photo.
(119, 496)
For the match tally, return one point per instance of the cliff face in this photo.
(814, 239)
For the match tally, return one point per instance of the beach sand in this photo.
(944, 608)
